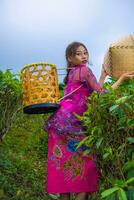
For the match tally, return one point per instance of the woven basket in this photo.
(40, 88)
(120, 57)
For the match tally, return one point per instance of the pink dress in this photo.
(68, 169)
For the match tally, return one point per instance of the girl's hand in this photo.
(127, 76)
(123, 77)
(103, 72)
(102, 76)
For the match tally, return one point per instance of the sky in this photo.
(40, 30)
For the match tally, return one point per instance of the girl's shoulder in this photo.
(82, 69)
(80, 73)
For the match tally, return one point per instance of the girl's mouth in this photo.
(84, 61)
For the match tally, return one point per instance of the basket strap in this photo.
(71, 92)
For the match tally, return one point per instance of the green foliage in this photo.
(61, 88)
(110, 123)
(10, 95)
(23, 151)
(23, 154)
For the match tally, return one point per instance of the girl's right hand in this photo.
(123, 77)
(127, 76)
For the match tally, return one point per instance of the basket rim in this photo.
(36, 64)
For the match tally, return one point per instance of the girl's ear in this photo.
(69, 59)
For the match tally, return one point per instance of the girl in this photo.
(69, 170)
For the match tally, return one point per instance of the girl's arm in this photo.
(123, 77)
(88, 77)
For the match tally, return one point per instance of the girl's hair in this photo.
(70, 52)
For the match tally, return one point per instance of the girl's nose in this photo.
(84, 56)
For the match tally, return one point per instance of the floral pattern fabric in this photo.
(68, 169)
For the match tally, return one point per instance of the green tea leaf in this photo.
(130, 140)
(130, 180)
(109, 191)
(123, 99)
(114, 107)
(54, 196)
(122, 194)
(99, 141)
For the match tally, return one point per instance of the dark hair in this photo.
(70, 51)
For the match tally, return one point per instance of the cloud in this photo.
(37, 30)
(50, 16)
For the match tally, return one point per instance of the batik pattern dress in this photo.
(68, 169)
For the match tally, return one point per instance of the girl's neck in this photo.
(73, 66)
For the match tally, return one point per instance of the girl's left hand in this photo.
(103, 72)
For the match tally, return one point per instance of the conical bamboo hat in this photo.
(120, 57)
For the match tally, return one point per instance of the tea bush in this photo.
(23, 151)
(110, 123)
(10, 98)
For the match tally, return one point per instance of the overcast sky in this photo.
(39, 30)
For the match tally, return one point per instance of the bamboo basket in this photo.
(120, 57)
(40, 88)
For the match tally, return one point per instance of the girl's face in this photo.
(80, 57)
